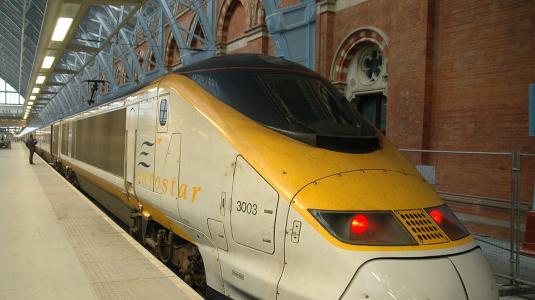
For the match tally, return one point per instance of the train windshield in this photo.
(307, 103)
(300, 105)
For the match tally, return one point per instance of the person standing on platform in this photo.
(30, 143)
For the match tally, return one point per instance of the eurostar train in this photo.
(257, 179)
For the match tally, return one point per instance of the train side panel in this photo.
(210, 169)
(92, 145)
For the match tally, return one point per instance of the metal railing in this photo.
(521, 269)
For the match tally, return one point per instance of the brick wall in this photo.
(483, 59)
(405, 24)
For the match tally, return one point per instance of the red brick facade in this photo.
(458, 75)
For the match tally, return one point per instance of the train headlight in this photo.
(364, 227)
(448, 222)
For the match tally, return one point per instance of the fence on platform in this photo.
(492, 193)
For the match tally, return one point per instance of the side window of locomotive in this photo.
(163, 115)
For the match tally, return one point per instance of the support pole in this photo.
(515, 213)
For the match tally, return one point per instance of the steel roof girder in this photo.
(72, 95)
(131, 51)
(110, 75)
(206, 26)
(150, 39)
(81, 48)
(185, 53)
(297, 20)
(123, 57)
(83, 91)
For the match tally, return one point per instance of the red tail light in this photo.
(359, 224)
(436, 215)
(364, 227)
(448, 222)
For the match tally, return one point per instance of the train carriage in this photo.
(257, 179)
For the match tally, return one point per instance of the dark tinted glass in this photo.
(163, 112)
(310, 102)
(292, 101)
(240, 90)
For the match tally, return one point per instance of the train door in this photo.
(168, 176)
(131, 131)
(253, 211)
(145, 152)
(167, 160)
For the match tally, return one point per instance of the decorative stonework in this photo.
(350, 47)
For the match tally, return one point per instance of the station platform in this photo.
(56, 244)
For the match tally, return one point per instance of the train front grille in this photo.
(421, 226)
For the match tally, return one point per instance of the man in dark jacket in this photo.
(30, 143)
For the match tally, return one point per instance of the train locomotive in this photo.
(258, 180)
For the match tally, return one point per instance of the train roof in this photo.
(245, 61)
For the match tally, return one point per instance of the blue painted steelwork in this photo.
(115, 31)
(293, 30)
(532, 112)
(104, 29)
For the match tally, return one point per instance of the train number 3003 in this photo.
(246, 207)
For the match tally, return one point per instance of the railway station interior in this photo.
(267, 149)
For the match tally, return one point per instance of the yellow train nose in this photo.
(368, 190)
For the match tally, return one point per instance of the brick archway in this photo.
(224, 17)
(349, 47)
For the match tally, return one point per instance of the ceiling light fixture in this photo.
(48, 61)
(62, 27)
(32, 97)
(40, 79)
(35, 90)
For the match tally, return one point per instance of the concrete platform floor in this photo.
(56, 244)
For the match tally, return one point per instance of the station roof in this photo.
(20, 28)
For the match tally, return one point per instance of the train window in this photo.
(307, 102)
(163, 112)
(299, 104)
(245, 96)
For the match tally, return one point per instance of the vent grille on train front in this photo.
(422, 227)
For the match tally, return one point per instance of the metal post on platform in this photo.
(517, 218)
(514, 242)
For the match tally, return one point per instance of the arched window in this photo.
(366, 83)
(359, 69)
